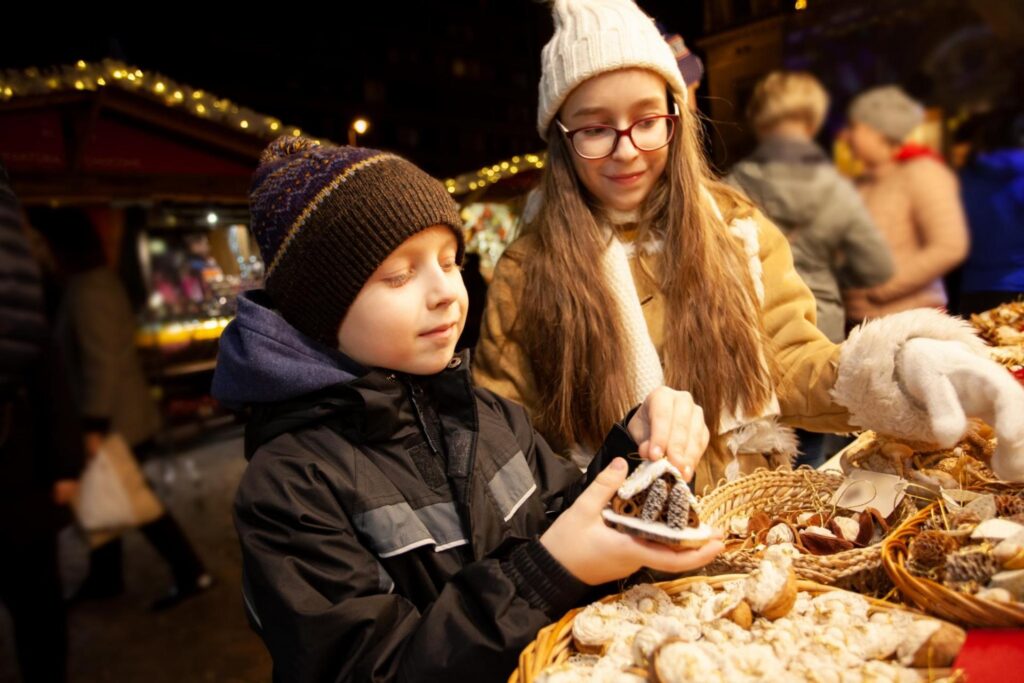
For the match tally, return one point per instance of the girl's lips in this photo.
(625, 179)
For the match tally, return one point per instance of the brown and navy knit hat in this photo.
(326, 217)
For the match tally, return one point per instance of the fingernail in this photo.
(687, 472)
(618, 464)
(657, 452)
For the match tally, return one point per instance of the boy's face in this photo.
(411, 311)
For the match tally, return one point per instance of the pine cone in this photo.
(928, 550)
(657, 494)
(970, 569)
(1009, 506)
(678, 507)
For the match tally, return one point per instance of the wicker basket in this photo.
(554, 644)
(932, 596)
(783, 492)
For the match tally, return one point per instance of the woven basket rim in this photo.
(932, 596)
(757, 479)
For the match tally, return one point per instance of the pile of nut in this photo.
(931, 467)
(976, 548)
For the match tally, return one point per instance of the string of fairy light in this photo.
(488, 175)
(93, 76)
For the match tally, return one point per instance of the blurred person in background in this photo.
(914, 200)
(691, 67)
(794, 182)
(95, 326)
(992, 190)
(40, 456)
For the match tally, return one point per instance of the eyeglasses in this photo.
(597, 142)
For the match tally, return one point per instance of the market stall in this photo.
(491, 200)
(162, 169)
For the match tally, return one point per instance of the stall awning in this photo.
(106, 132)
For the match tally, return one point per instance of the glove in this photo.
(951, 383)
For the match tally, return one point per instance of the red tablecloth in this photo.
(993, 655)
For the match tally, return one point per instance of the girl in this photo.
(637, 269)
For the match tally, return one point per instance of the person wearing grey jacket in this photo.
(834, 241)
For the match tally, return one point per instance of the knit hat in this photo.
(888, 110)
(593, 37)
(690, 65)
(326, 217)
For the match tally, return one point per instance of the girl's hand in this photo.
(669, 424)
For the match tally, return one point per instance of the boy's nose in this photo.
(442, 290)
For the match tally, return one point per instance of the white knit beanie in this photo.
(595, 36)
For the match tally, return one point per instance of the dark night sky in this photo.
(452, 85)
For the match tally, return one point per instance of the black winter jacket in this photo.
(388, 523)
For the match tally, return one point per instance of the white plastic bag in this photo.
(113, 495)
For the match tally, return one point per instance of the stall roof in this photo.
(106, 131)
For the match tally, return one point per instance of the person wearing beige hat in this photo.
(639, 269)
(914, 200)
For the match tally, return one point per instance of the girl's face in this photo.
(622, 180)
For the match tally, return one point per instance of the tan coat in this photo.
(806, 358)
(916, 206)
(97, 329)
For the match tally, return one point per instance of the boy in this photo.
(394, 520)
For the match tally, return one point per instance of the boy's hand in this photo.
(669, 424)
(595, 553)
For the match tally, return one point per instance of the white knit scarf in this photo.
(746, 433)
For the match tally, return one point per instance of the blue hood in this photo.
(263, 359)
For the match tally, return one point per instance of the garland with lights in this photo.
(488, 175)
(112, 73)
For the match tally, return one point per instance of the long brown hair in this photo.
(568, 322)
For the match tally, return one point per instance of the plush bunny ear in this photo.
(655, 503)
